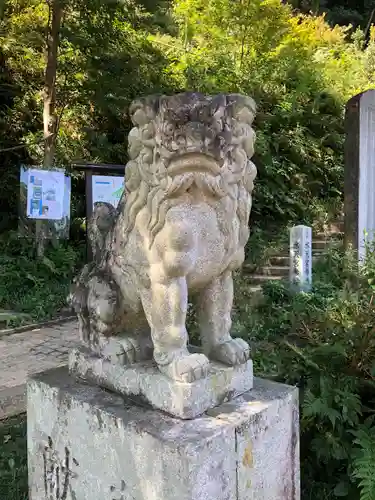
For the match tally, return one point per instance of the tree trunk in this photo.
(368, 27)
(50, 120)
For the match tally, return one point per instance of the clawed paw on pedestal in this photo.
(190, 367)
(184, 367)
(233, 352)
(187, 368)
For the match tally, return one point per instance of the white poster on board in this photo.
(107, 188)
(45, 194)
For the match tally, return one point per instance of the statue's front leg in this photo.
(165, 302)
(165, 305)
(214, 317)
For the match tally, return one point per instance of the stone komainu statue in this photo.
(180, 229)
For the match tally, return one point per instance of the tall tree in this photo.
(50, 118)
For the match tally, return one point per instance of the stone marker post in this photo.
(359, 179)
(175, 423)
(301, 257)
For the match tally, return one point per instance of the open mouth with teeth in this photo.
(199, 172)
(193, 162)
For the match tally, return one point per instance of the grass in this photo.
(315, 490)
(13, 459)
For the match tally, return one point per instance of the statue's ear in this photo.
(243, 107)
(218, 105)
(142, 111)
(134, 108)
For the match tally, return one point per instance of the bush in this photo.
(13, 459)
(37, 288)
(299, 70)
(324, 343)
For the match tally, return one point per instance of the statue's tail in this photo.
(98, 227)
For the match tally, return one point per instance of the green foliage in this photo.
(13, 459)
(323, 342)
(342, 12)
(299, 70)
(264, 245)
(9, 317)
(36, 288)
(93, 88)
(364, 461)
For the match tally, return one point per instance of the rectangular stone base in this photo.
(85, 443)
(144, 382)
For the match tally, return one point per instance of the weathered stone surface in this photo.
(301, 257)
(145, 381)
(359, 181)
(266, 420)
(180, 228)
(85, 443)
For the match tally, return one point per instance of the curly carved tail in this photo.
(99, 226)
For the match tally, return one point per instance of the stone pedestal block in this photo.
(85, 443)
(144, 381)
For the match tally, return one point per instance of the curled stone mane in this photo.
(170, 128)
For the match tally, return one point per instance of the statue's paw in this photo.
(233, 352)
(137, 349)
(126, 350)
(187, 368)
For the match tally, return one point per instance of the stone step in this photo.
(261, 278)
(324, 246)
(279, 260)
(339, 235)
(336, 227)
(278, 265)
(273, 271)
(320, 244)
(283, 256)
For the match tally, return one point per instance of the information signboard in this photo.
(45, 194)
(107, 188)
